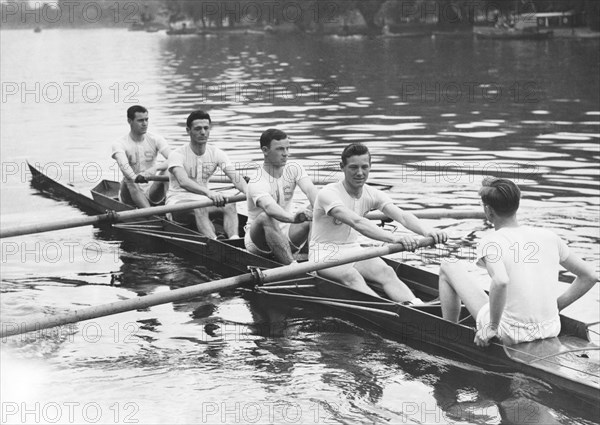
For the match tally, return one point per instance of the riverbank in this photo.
(399, 31)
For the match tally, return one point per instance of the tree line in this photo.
(304, 14)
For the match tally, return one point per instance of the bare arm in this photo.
(162, 166)
(309, 189)
(411, 222)
(498, 289)
(191, 186)
(584, 281)
(498, 286)
(274, 210)
(369, 229)
(237, 179)
(123, 163)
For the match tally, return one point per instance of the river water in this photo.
(437, 114)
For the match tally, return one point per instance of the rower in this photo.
(523, 263)
(191, 166)
(273, 230)
(339, 217)
(136, 155)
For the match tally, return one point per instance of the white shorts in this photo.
(179, 197)
(251, 246)
(515, 332)
(327, 252)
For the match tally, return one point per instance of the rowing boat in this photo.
(569, 361)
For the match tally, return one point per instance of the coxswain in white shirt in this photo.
(523, 263)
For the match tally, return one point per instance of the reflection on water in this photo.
(437, 114)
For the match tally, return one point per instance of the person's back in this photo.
(531, 257)
(523, 264)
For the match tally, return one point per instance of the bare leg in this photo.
(131, 194)
(267, 235)
(376, 270)
(204, 224)
(455, 285)
(299, 233)
(230, 220)
(157, 192)
(348, 276)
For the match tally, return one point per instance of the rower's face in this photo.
(200, 131)
(139, 124)
(356, 171)
(277, 154)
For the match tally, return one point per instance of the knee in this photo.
(230, 209)
(266, 221)
(201, 213)
(355, 282)
(448, 269)
(305, 227)
(389, 274)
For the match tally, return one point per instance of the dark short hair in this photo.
(502, 195)
(354, 149)
(132, 110)
(197, 115)
(271, 134)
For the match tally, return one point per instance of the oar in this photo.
(181, 294)
(433, 214)
(221, 179)
(110, 217)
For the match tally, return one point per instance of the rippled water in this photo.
(437, 115)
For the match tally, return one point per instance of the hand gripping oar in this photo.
(264, 276)
(110, 217)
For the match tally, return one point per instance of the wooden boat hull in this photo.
(105, 198)
(569, 361)
(576, 370)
